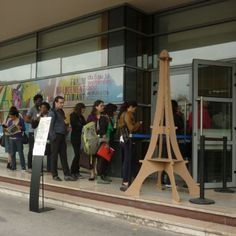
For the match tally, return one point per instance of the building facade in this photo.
(112, 55)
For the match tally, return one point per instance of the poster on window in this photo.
(106, 85)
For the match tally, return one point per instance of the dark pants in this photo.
(76, 142)
(30, 153)
(58, 146)
(16, 145)
(102, 166)
(48, 154)
(126, 157)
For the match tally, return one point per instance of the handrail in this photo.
(148, 136)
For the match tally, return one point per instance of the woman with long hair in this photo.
(127, 124)
(110, 111)
(16, 128)
(77, 122)
(101, 122)
(7, 135)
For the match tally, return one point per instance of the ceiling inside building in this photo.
(24, 16)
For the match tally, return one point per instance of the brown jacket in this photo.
(129, 121)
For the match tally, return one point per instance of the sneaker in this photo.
(57, 178)
(69, 178)
(168, 185)
(100, 180)
(106, 178)
(123, 188)
(75, 176)
(79, 176)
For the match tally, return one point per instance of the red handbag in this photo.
(105, 151)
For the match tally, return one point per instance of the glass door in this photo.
(215, 82)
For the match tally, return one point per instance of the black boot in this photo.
(8, 165)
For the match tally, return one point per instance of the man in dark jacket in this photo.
(57, 136)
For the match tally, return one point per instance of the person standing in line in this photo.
(110, 111)
(77, 121)
(178, 117)
(44, 111)
(127, 121)
(7, 137)
(30, 117)
(16, 128)
(101, 123)
(57, 136)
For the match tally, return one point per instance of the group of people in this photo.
(104, 117)
(107, 122)
(15, 136)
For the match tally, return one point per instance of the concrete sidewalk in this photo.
(153, 207)
(148, 218)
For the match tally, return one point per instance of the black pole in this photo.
(224, 188)
(202, 199)
(130, 161)
(202, 167)
(42, 187)
(35, 184)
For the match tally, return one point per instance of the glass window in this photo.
(215, 81)
(49, 63)
(18, 68)
(216, 119)
(144, 51)
(143, 87)
(131, 48)
(106, 85)
(86, 54)
(180, 85)
(194, 16)
(82, 28)
(116, 18)
(210, 43)
(130, 84)
(214, 162)
(14, 48)
(116, 48)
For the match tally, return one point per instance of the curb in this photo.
(135, 218)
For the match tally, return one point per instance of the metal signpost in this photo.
(37, 169)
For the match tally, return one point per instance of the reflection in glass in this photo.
(83, 55)
(214, 163)
(221, 117)
(18, 68)
(215, 81)
(82, 28)
(217, 119)
(180, 86)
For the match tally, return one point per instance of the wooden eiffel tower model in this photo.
(163, 133)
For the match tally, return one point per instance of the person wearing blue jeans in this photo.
(16, 145)
(16, 128)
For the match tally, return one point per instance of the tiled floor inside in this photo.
(225, 203)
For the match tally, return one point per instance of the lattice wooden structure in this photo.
(164, 128)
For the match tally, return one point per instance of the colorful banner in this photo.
(106, 85)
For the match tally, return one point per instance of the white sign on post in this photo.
(41, 136)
